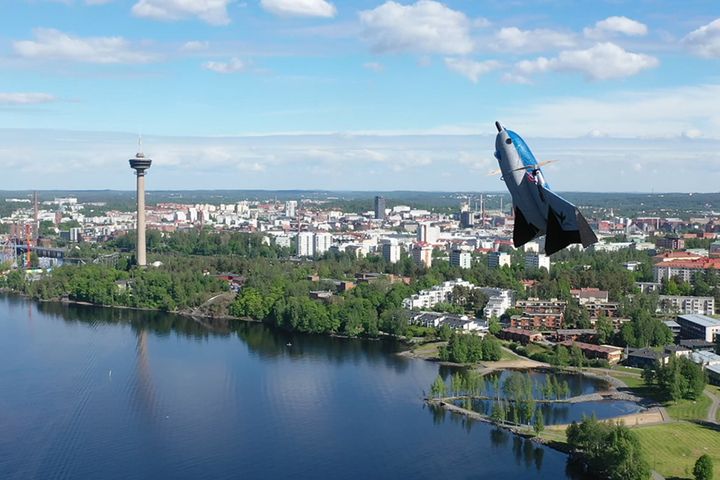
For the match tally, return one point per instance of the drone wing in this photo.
(565, 225)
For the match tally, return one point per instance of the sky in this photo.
(358, 95)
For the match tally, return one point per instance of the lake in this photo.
(95, 393)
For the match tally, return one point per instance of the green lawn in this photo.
(681, 410)
(632, 381)
(509, 355)
(689, 409)
(673, 448)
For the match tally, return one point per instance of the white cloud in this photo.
(51, 44)
(361, 162)
(234, 65)
(514, 39)
(300, 8)
(471, 69)
(603, 61)
(658, 113)
(374, 66)
(481, 22)
(692, 133)
(614, 25)
(426, 26)
(511, 77)
(213, 12)
(705, 41)
(29, 98)
(195, 46)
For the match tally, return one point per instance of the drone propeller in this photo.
(524, 167)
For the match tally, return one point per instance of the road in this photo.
(712, 411)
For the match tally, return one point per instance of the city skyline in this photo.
(368, 95)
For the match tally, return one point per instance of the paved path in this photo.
(713, 410)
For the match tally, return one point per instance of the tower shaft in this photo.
(140, 164)
(141, 253)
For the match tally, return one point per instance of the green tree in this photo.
(648, 375)
(703, 469)
(561, 357)
(605, 329)
(499, 414)
(494, 326)
(577, 358)
(539, 422)
(438, 388)
(457, 384)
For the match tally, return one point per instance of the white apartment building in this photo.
(391, 251)
(422, 254)
(537, 260)
(428, 233)
(322, 243)
(291, 208)
(305, 245)
(499, 300)
(460, 258)
(680, 304)
(439, 293)
(499, 259)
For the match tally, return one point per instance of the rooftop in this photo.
(702, 320)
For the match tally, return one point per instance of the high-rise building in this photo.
(537, 260)
(467, 219)
(379, 207)
(499, 259)
(140, 164)
(305, 246)
(422, 254)
(460, 258)
(322, 243)
(426, 233)
(391, 251)
(291, 208)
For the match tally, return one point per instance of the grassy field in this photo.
(632, 381)
(673, 448)
(427, 350)
(689, 409)
(681, 410)
(509, 355)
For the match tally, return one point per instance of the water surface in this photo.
(117, 394)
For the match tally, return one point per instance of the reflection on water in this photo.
(561, 413)
(119, 394)
(493, 382)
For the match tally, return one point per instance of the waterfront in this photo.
(100, 393)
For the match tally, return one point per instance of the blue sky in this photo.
(359, 95)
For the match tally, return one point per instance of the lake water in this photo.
(553, 413)
(90, 393)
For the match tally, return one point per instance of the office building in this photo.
(460, 258)
(694, 326)
(379, 208)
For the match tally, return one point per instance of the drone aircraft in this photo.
(538, 211)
